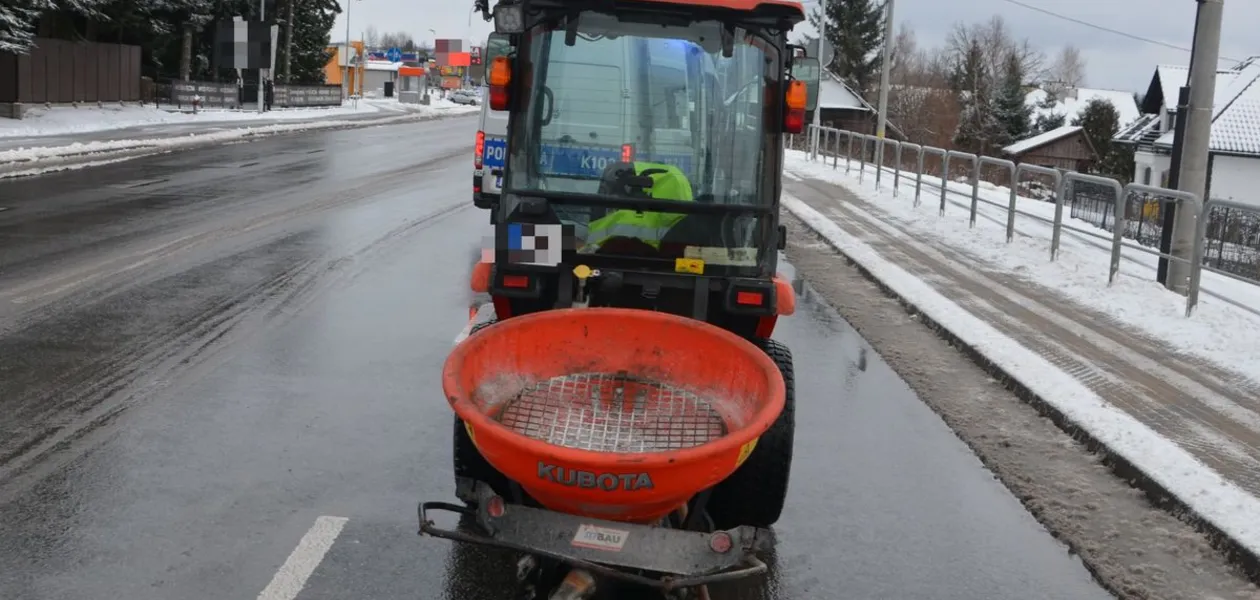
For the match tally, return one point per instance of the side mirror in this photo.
(808, 70)
(509, 19)
(498, 44)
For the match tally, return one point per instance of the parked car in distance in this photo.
(464, 97)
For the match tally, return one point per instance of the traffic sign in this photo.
(394, 55)
(828, 53)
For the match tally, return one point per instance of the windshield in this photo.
(652, 111)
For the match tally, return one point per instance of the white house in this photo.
(1074, 100)
(1235, 142)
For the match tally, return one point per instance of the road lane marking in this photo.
(291, 578)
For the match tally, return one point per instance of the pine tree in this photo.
(17, 28)
(1101, 122)
(1010, 106)
(19, 18)
(312, 32)
(970, 79)
(1049, 121)
(855, 28)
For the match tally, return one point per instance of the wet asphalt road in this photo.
(202, 353)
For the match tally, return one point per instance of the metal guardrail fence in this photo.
(1109, 202)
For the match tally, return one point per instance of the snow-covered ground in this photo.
(1219, 331)
(60, 121)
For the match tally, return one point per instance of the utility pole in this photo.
(812, 140)
(1193, 174)
(288, 44)
(346, 80)
(262, 17)
(884, 70)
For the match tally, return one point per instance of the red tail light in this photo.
(627, 153)
(749, 298)
(794, 105)
(479, 150)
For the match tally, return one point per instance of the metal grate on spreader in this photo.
(612, 412)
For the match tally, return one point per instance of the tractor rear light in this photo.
(721, 542)
(750, 298)
(795, 101)
(500, 77)
(516, 281)
(627, 153)
(496, 507)
(480, 150)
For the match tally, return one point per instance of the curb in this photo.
(145, 147)
(1159, 496)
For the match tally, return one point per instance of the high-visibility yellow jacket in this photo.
(668, 183)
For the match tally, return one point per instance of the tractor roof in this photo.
(792, 9)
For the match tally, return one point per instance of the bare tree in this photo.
(997, 44)
(372, 37)
(397, 39)
(1068, 70)
(920, 103)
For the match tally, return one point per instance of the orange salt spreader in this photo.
(609, 421)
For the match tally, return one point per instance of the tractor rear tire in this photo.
(755, 494)
(468, 461)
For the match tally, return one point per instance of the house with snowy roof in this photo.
(844, 108)
(1066, 148)
(1071, 102)
(1234, 149)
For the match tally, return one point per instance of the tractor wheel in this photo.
(756, 492)
(468, 462)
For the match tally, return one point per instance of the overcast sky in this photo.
(1113, 61)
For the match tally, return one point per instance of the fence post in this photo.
(1180, 198)
(862, 151)
(896, 168)
(944, 180)
(878, 157)
(835, 156)
(848, 154)
(1117, 237)
(1196, 268)
(1010, 217)
(975, 190)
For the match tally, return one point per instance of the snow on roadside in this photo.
(1241, 292)
(68, 120)
(1218, 332)
(163, 144)
(61, 121)
(1220, 502)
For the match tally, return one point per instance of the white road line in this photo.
(292, 576)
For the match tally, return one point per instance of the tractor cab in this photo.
(645, 145)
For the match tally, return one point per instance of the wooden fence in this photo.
(61, 71)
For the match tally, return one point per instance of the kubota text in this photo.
(608, 482)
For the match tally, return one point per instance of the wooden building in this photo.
(844, 108)
(1066, 148)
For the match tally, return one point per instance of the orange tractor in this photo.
(625, 417)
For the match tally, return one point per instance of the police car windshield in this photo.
(644, 95)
